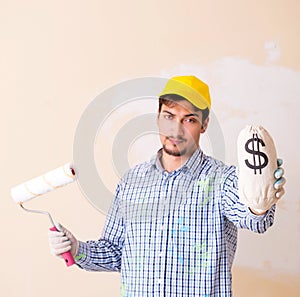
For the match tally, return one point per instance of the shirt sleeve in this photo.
(237, 212)
(105, 254)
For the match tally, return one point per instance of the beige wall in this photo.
(56, 56)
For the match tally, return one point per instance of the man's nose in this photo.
(178, 129)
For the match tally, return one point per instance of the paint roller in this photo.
(40, 185)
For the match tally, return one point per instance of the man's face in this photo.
(179, 128)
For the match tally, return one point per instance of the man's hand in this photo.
(62, 241)
(280, 180)
(278, 185)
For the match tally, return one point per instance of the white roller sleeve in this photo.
(47, 182)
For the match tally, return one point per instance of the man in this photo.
(172, 227)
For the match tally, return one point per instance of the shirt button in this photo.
(162, 227)
(160, 281)
(160, 254)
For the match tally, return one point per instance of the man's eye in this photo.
(168, 117)
(190, 120)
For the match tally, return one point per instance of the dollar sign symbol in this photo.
(256, 152)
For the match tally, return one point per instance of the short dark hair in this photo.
(171, 98)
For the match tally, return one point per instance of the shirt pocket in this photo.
(141, 205)
(196, 202)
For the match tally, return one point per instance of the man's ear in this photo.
(158, 113)
(204, 125)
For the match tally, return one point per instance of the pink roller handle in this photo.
(67, 255)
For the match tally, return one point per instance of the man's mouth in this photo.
(175, 141)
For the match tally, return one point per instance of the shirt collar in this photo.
(190, 166)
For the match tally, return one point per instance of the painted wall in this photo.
(57, 56)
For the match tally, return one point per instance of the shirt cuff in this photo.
(82, 256)
(261, 217)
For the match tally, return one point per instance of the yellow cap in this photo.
(191, 88)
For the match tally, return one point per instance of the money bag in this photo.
(257, 162)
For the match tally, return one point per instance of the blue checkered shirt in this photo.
(173, 234)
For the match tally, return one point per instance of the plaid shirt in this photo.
(173, 234)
